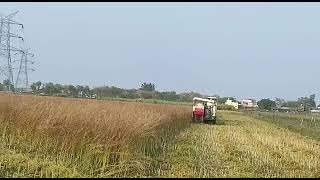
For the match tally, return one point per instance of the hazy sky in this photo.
(256, 50)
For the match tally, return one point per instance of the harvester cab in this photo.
(204, 109)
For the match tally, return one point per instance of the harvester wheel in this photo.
(214, 121)
(208, 122)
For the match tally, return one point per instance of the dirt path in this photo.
(241, 147)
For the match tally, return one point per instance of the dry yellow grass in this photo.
(61, 137)
(100, 134)
(103, 122)
(242, 147)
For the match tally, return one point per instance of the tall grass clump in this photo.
(88, 138)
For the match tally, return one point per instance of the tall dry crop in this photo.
(86, 129)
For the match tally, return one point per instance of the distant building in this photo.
(249, 103)
(290, 109)
(286, 109)
(316, 111)
(24, 91)
(232, 103)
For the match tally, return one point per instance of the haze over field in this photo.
(256, 50)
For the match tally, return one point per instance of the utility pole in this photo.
(6, 47)
(22, 77)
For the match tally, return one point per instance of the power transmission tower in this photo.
(6, 47)
(22, 77)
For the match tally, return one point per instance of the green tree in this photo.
(7, 84)
(86, 90)
(49, 88)
(292, 104)
(222, 100)
(58, 88)
(169, 96)
(33, 87)
(187, 97)
(80, 90)
(73, 90)
(116, 92)
(147, 86)
(312, 100)
(266, 104)
(279, 102)
(38, 85)
(308, 102)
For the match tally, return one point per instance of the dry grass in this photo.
(61, 137)
(242, 147)
(92, 138)
(306, 124)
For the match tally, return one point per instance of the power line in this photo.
(6, 53)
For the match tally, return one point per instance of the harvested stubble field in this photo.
(60, 137)
(242, 146)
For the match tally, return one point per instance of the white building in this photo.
(315, 111)
(249, 103)
(231, 103)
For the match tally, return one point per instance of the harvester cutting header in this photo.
(204, 109)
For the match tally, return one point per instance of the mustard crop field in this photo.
(65, 137)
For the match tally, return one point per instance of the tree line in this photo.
(302, 103)
(145, 91)
(4, 86)
(148, 91)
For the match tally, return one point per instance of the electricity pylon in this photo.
(22, 77)
(6, 46)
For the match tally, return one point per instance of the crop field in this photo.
(303, 123)
(153, 101)
(62, 137)
(242, 146)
